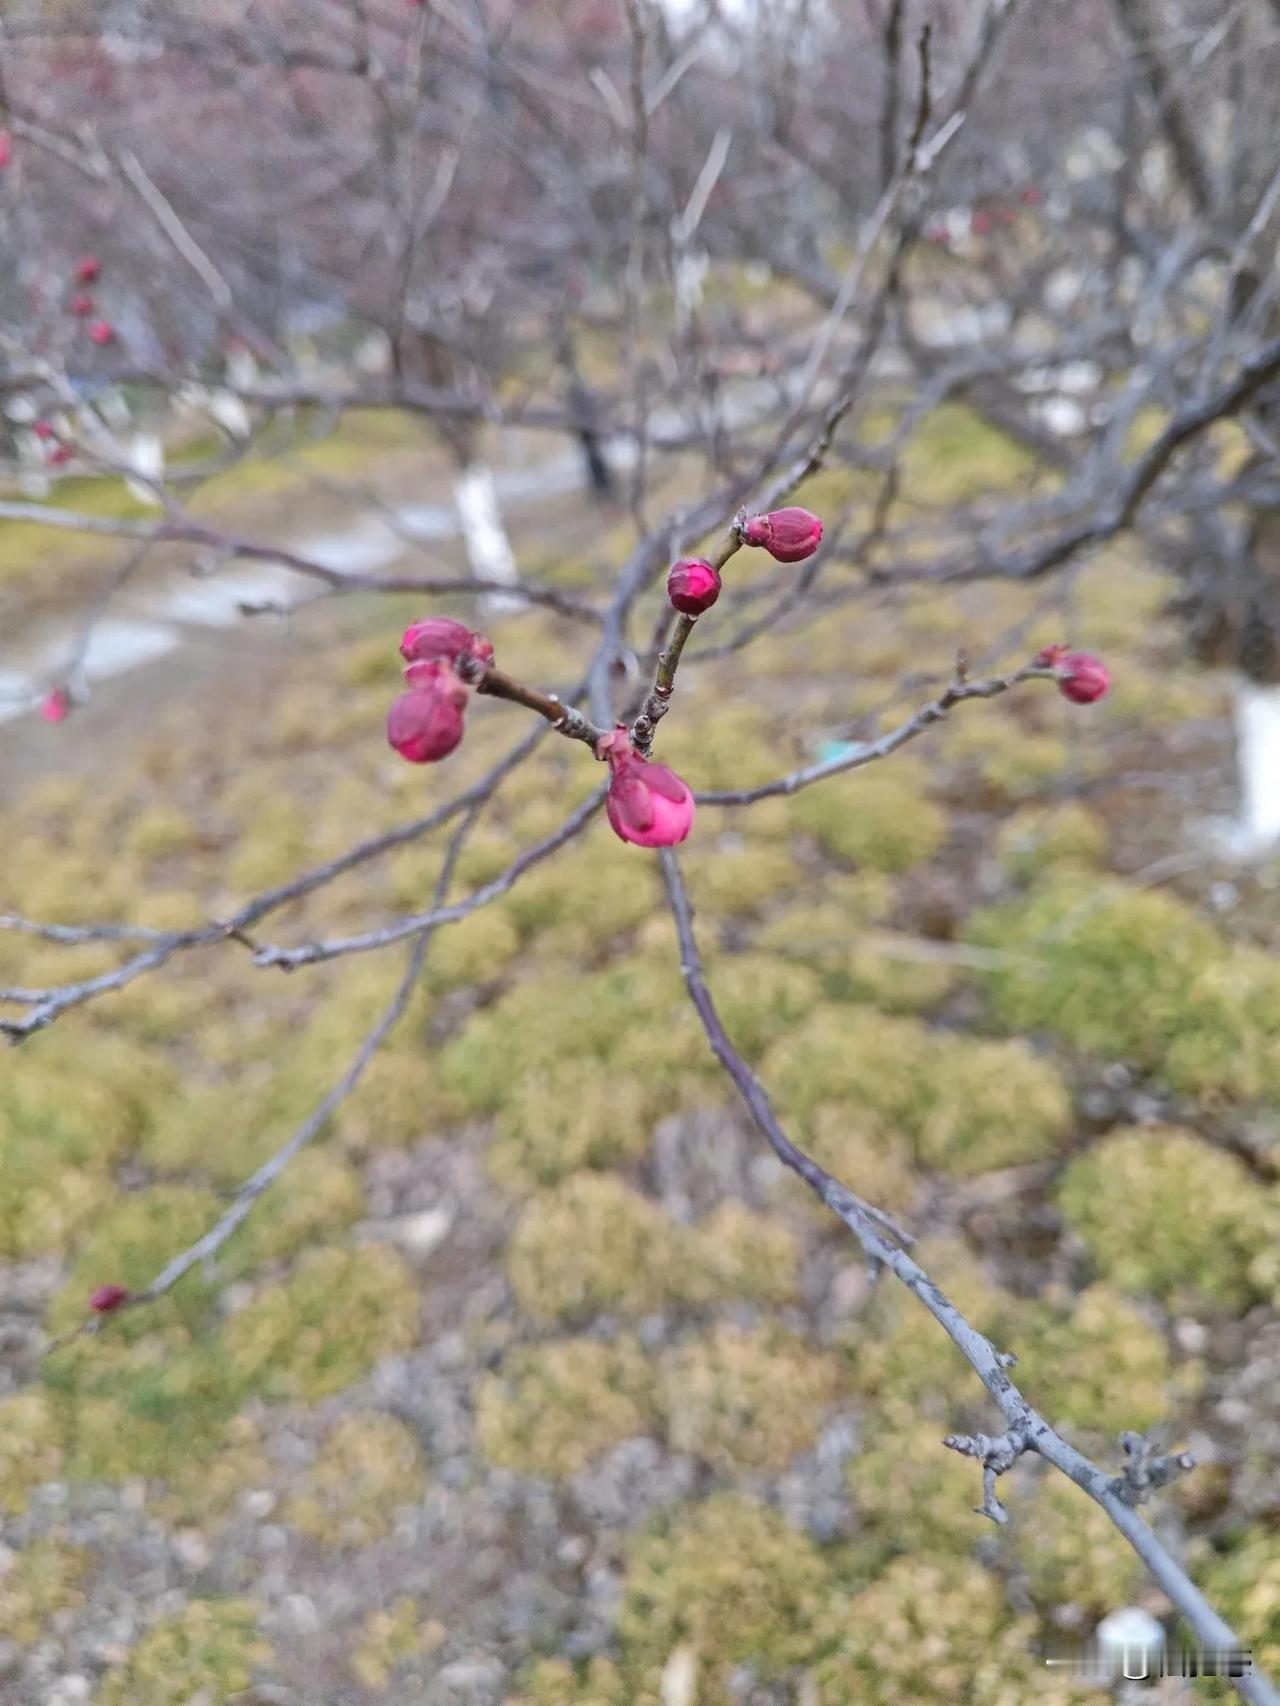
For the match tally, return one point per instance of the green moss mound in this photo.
(964, 1106)
(210, 1646)
(1162, 1213)
(553, 1408)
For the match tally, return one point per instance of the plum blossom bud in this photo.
(59, 455)
(426, 723)
(81, 304)
(442, 637)
(109, 1297)
(980, 222)
(789, 535)
(43, 430)
(101, 332)
(55, 707)
(647, 803)
(87, 269)
(6, 148)
(1081, 677)
(1032, 196)
(693, 585)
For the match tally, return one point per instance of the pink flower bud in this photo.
(59, 456)
(693, 585)
(55, 707)
(937, 234)
(6, 148)
(1082, 678)
(81, 303)
(426, 723)
(101, 332)
(647, 803)
(1032, 196)
(789, 535)
(980, 222)
(87, 269)
(42, 429)
(442, 637)
(109, 1297)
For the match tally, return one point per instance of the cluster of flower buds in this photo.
(444, 660)
(788, 535)
(647, 803)
(1081, 677)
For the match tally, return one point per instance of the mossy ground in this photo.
(930, 962)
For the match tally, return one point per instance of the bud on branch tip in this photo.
(693, 585)
(107, 1298)
(425, 724)
(788, 535)
(647, 803)
(1081, 677)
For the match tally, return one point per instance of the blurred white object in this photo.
(1258, 748)
(1131, 1641)
(230, 413)
(242, 368)
(146, 459)
(488, 548)
(680, 1677)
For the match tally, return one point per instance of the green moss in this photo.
(160, 831)
(737, 1254)
(1070, 1551)
(327, 1324)
(391, 1638)
(553, 1408)
(964, 1106)
(203, 1489)
(730, 745)
(910, 1492)
(368, 1468)
(739, 878)
(730, 1580)
(1097, 1363)
(898, 1351)
(720, 1395)
(555, 1682)
(30, 1448)
(1110, 968)
(317, 1197)
(129, 1244)
(1040, 837)
(593, 1245)
(44, 1578)
(573, 1114)
(579, 899)
(760, 997)
(867, 1156)
(897, 974)
(620, 1015)
(931, 1631)
(1162, 1213)
(880, 817)
(956, 455)
(1243, 1583)
(1229, 1043)
(211, 1646)
(474, 951)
